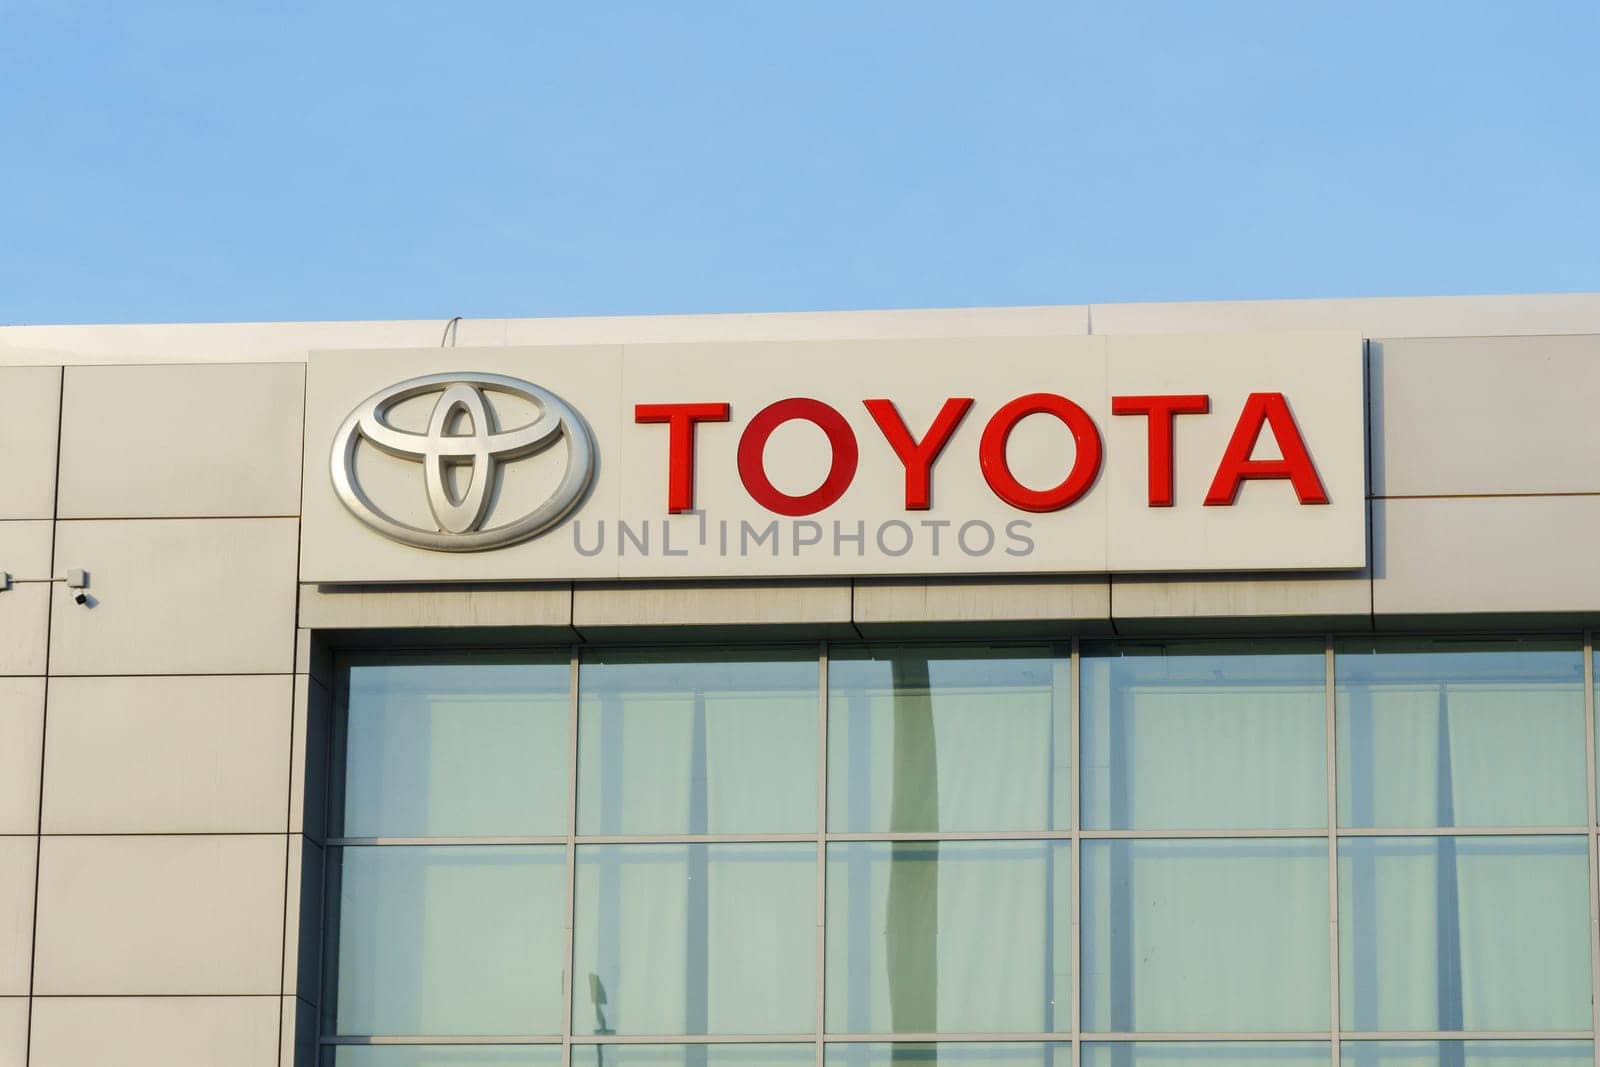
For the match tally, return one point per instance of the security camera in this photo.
(80, 597)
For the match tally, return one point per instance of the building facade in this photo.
(1113, 686)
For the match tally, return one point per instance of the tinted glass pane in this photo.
(694, 1055)
(444, 1055)
(1203, 1054)
(1466, 1053)
(1471, 933)
(683, 744)
(449, 939)
(948, 738)
(1200, 736)
(694, 939)
(1439, 733)
(975, 1054)
(1205, 935)
(947, 937)
(463, 748)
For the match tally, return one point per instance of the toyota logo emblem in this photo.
(463, 432)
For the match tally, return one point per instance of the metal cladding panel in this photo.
(154, 1031)
(176, 596)
(1485, 415)
(178, 915)
(204, 754)
(1485, 555)
(181, 441)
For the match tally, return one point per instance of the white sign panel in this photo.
(970, 456)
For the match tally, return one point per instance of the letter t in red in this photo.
(680, 420)
(1161, 412)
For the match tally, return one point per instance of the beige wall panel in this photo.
(168, 755)
(308, 758)
(25, 549)
(196, 914)
(1475, 415)
(30, 405)
(155, 1031)
(13, 1031)
(21, 739)
(350, 608)
(186, 440)
(16, 913)
(302, 919)
(1153, 603)
(620, 608)
(1486, 555)
(311, 654)
(24, 625)
(1429, 316)
(257, 342)
(297, 1043)
(945, 602)
(177, 596)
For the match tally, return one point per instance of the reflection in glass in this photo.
(948, 738)
(967, 1054)
(1204, 1054)
(1467, 1053)
(431, 747)
(695, 939)
(1455, 733)
(1201, 736)
(946, 937)
(443, 1055)
(448, 939)
(694, 1055)
(1471, 933)
(1205, 936)
(698, 742)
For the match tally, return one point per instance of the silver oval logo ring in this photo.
(462, 433)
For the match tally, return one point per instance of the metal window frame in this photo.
(1067, 653)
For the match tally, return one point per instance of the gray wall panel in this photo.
(167, 755)
(1485, 415)
(181, 441)
(1485, 555)
(177, 596)
(197, 914)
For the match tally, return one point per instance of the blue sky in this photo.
(167, 161)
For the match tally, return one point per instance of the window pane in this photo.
(433, 747)
(695, 939)
(948, 738)
(694, 1055)
(444, 1055)
(449, 939)
(1205, 936)
(685, 743)
(1467, 1053)
(1451, 733)
(931, 937)
(1200, 736)
(989, 1054)
(1203, 1054)
(1471, 933)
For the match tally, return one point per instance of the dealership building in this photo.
(1147, 685)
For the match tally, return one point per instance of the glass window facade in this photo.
(1057, 853)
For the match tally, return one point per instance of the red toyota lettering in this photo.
(918, 456)
(1266, 410)
(997, 472)
(680, 420)
(1161, 413)
(752, 449)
